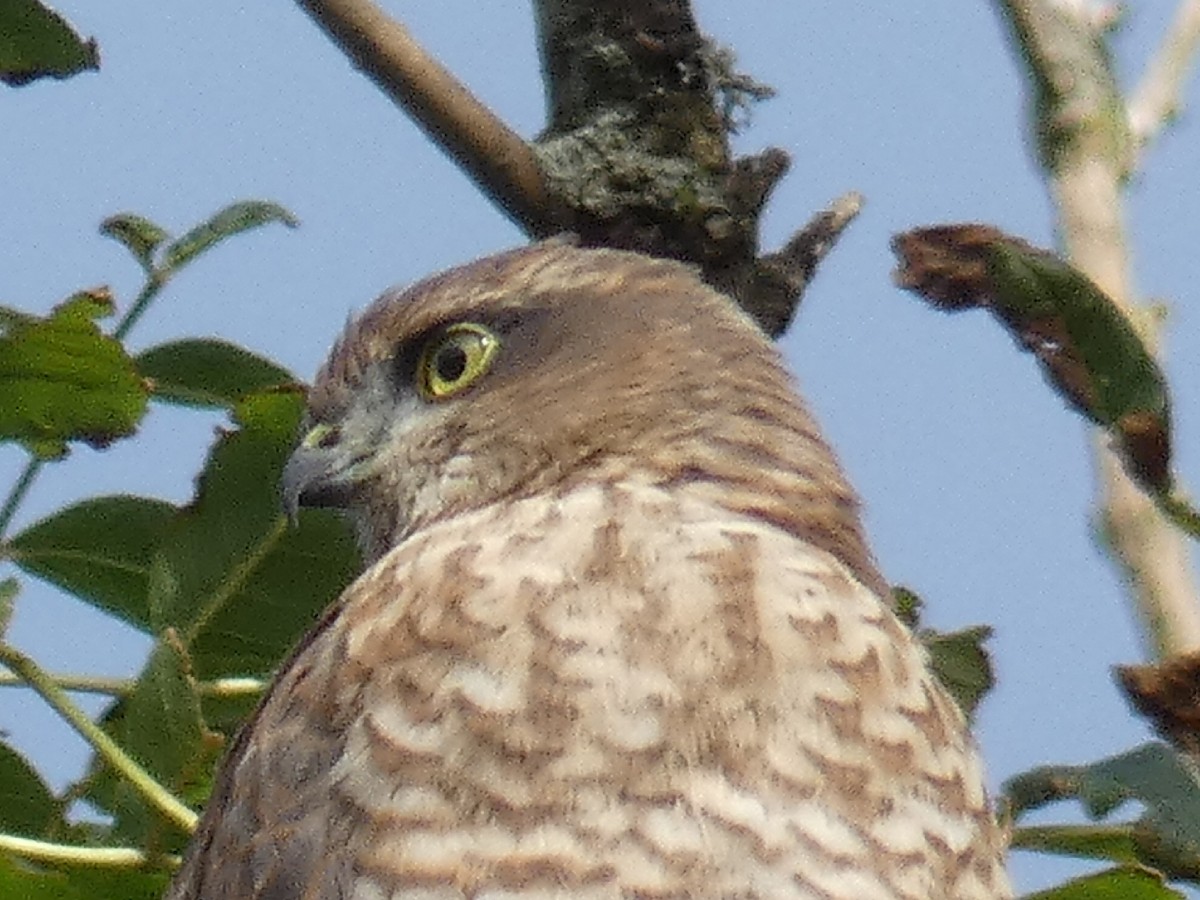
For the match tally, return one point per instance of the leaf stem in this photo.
(1085, 841)
(17, 495)
(41, 682)
(92, 857)
(154, 284)
(120, 687)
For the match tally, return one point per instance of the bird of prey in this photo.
(621, 635)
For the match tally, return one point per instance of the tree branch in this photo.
(1082, 128)
(642, 106)
(1157, 98)
(781, 277)
(636, 154)
(500, 163)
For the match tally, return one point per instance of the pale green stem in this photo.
(1158, 96)
(141, 303)
(158, 796)
(18, 492)
(120, 687)
(92, 857)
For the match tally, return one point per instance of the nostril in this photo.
(330, 437)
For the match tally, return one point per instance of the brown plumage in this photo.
(621, 635)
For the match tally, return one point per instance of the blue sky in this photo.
(976, 479)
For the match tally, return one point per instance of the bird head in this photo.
(537, 369)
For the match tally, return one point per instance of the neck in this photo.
(772, 464)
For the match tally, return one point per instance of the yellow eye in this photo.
(455, 359)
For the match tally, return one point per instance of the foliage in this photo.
(1091, 354)
(1165, 838)
(222, 585)
(65, 380)
(958, 658)
(36, 42)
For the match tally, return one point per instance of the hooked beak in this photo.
(319, 473)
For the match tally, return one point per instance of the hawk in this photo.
(621, 635)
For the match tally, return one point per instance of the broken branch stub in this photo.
(637, 150)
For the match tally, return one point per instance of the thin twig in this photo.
(808, 246)
(781, 277)
(158, 796)
(1158, 96)
(151, 289)
(91, 857)
(488, 151)
(1085, 151)
(18, 493)
(121, 687)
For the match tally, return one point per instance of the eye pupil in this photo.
(454, 359)
(451, 363)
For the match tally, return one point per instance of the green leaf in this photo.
(139, 235)
(1167, 837)
(160, 724)
(61, 379)
(279, 600)
(907, 605)
(1116, 843)
(114, 884)
(208, 372)
(21, 880)
(125, 884)
(233, 219)
(1158, 777)
(233, 588)
(1152, 773)
(27, 807)
(99, 550)
(961, 664)
(234, 519)
(163, 722)
(36, 42)
(957, 658)
(229, 575)
(1089, 351)
(1122, 883)
(1114, 377)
